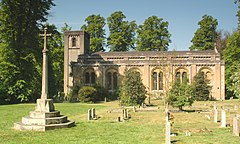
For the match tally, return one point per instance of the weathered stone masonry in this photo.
(157, 68)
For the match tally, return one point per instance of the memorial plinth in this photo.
(44, 117)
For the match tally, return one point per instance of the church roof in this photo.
(155, 53)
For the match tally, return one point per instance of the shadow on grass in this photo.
(189, 111)
(151, 105)
(174, 141)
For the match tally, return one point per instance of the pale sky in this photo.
(183, 15)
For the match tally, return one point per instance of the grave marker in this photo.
(168, 133)
(223, 120)
(236, 128)
(89, 114)
(215, 117)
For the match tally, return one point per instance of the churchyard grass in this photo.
(142, 128)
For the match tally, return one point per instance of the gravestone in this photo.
(125, 114)
(89, 114)
(168, 133)
(93, 115)
(134, 109)
(45, 117)
(118, 119)
(215, 117)
(149, 100)
(236, 123)
(223, 120)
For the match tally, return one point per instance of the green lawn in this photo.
(142, 128)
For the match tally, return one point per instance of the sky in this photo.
(183, 15)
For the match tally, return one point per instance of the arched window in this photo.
(90, 77)
(184, 77)
(155, 81)
(87, 78)
(114, 80)
(160, 77)
(73, 42)
(93, 78)
(178, 76)
(109, 80)
(207, 74)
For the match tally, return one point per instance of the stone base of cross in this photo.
(44, 105)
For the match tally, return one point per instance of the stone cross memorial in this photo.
(45, 117)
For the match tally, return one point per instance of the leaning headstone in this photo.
(215, 117)
(134, 109)
(236, 128)
(168, 133)
(89, 114)
(93, 113)
(223, 121)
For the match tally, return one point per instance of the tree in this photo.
(235, 85)
(231, 56)
(19, 29)
(153, 35)
(201, 88)
(221, 40)
(133, 91)
(238, 12)
(95, 27)
(205, 36)
(122, 32)
(181, 94)
(87, 94)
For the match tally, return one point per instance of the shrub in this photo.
(180, 95)
(87, 94)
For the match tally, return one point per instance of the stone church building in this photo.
(158, 69)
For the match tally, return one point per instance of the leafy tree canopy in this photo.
(153, 35)
(122, 32)
(95, 27)
(19, 29)
(205, 36)
(231, 56)
(235, 85)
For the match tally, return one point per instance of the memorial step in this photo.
(43, 121)
(21, 126)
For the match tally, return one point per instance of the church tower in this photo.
(75, 43)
